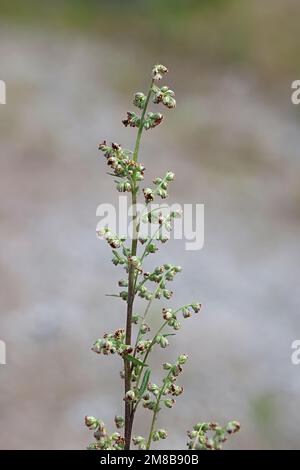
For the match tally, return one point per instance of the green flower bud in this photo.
(167, 366)
(196, 307)
(182, 359)
(157, 181)
(232, 427)
(170, 176)
(155, 436)
(123, 283)
(119, 421)
(167, 294)
(139, 100)
(144, 328)
(162, 341)
(169, 403)
(162, 433)
(130, 396)
(91, 422)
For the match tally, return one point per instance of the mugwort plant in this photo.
(134, 342)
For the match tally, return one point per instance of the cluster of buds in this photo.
(169, 315)
(144, 293)
(164, 272)
(123, 166)
(211, 436)
(165, 96)
(103, 440)
(159, 434)
(140, 442)
(160, 190)
(113, 240)
(159, 71)
(152, 120)
(112, 343)
(143, 345)
(187, 310)
(132, 120)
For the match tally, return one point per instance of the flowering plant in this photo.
(134, 350)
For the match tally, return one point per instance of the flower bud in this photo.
(144, 328)
(170, 176)
(158, 71)
(119, 421)
(196, 307)
(169, 403)
(167, 366)
(232, 427)
(162, 433)
(123, 283)
(167, 314)
(130, 396)
(91, 422)
(182, 359)
(149, 195)
(162, 341)
(139, 100)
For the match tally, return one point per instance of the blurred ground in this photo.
(234, 143)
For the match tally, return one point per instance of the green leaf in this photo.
(135, 361)
(169, 334)
(145, 382)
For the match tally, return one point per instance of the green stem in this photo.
(141, 126)
(155, 412)
(129, 412)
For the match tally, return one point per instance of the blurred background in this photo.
(71, 68)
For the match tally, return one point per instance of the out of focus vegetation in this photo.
(261, 35)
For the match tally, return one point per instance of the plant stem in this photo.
(129, 412)
(155, 412)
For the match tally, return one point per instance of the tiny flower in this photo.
(182, 359)
(167, 314)
(167, 294)
(120, 422)
(158, 71)
(232, 427)
(162, 341)
(91, 422)
(196, 307)
(130, 395)
(144, 328)
(170, 402)
(162, 433)
(170, 176)
(149, 194)
(139, 100)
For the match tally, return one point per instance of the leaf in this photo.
(145, 382)
(169, 334)
(135, 361)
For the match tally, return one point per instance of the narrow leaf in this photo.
(135, 361)
(145, 382)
